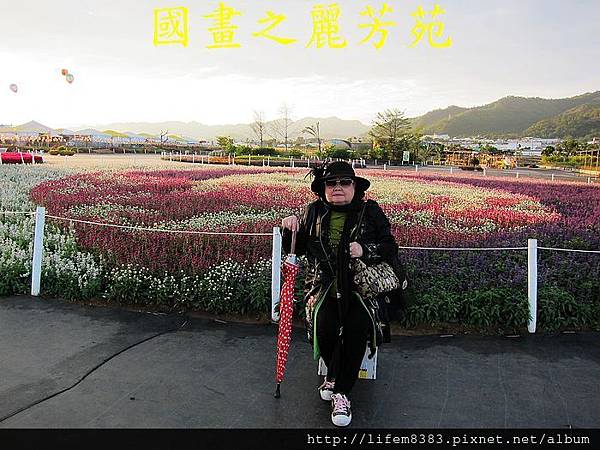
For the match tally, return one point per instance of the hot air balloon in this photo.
(14, 87)
(70, 78)
(64, 72)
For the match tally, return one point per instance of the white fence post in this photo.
(38, 248)
(275, 274)
(552, 177)
(532, 282)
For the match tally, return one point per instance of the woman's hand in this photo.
(356, 250)
(290, 222)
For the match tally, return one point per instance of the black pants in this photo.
(357, 325)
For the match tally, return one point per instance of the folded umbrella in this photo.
(286, 310)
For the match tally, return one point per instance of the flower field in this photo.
(231, 273)
(20, 158)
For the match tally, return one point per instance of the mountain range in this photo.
(577, 117)
(508, 117)
(330, 127)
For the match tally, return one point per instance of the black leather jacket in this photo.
(312, 240)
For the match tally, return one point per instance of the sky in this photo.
(532, 48)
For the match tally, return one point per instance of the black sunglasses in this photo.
(345, 182)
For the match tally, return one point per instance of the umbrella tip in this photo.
(277, 391)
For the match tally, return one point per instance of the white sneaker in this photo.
(326, 389)
(341, 415)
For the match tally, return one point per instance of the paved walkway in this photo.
(67, 365)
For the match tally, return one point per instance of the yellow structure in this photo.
(467, 157)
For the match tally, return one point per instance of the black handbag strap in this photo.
(401, 268)
(359, 223)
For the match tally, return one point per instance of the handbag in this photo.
(373, 280)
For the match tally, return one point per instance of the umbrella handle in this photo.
(277, 391)
(293, 246)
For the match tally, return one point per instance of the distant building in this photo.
(341, 144)
(360, 140)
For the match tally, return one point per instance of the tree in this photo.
(315, 132)
(259, 126)
(428, 150)
(490, 149)
(413, 144)
(342, 153)
(163, 137)
(548, 151)
(285, 112)
(279, 128)
(568, 147)
(392, 135)
(226, 143)
(438, 150)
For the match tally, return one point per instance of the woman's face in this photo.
(339, 191)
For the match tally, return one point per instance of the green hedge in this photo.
(238, 288)
(558, 309)
(495, 310)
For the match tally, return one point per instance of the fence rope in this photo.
(569, 250)
(465, 248)
(500, 248)
(222, 233)
(161, 230)
(18, 212)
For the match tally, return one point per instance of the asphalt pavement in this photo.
(67, 365)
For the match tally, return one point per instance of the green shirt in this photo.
(336, 228)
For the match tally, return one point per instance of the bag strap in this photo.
(359, 223)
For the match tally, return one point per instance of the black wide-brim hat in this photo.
(336, 169)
